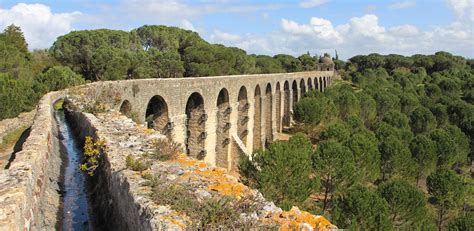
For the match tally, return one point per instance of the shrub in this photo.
(138, 165)
(164, 150)
(92, 153)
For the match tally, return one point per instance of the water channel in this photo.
(75, 213)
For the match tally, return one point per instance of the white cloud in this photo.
(402, 5)
(222, 37)
(170, 9)
(318, 28)
(359, 35)
(464, 9)
(312, 3)
(39, 24)
(186, 24)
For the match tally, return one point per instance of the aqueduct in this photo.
(216, 119)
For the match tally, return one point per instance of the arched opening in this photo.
(257, 124)
(286, 105)
(195, 126)
(126, 108)
(316, 85)
(242, 126)
(222, 129)
(278, 107)
(302, 88)
(157, 116)
(294, 87)
(321, 87)
(268, 115)
(324, 83)
(310, 84)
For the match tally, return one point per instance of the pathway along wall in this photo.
(29, 198)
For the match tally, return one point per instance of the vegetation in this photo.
(11, 138)
(138, 165)
(393, 144)
(146, 52)
(25, 76)
(92, 155)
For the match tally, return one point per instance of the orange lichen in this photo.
(175, 222)
(296, 219)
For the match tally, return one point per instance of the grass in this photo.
(213, 213)
(58, 105)
(11, 138)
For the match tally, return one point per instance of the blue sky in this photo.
(267, 27)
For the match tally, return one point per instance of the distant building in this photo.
(325, 64)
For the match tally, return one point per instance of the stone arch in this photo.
(316, 85)
(257, 124)
(321, 87)
(126, 108)
(268, 114)
(324, 83)
(310, 84)
(195, 126)
(157, 116)
(278, 107)
(294, 87)
(242, 125)
(302, 88)
(286, 105)
(222, 128)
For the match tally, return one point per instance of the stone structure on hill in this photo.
(216, 119)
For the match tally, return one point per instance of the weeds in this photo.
(92, 153)
(164, 150)
(138, 165)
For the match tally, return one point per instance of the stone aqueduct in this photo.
(218, 118)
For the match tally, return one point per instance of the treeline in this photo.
(25, 76)
(145, 52)
(394, 147)
(163, 52)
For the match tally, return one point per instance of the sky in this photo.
(351, 27)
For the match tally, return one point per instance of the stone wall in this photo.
(29, 181)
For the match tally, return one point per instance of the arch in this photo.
(157, 117)
(126, 108)
(286, 105)
(316, 85)
(294, 87)
(310, 84)
(222, 128)
(195, 126)
(324, 82)
(302, 88)
(257, 124)
(321, 87)
(242, 126)
(278, 107)
(268, 114)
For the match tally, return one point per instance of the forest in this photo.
(103, 54)
(390, 146)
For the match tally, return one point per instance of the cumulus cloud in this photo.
(318, 28)
(312, 3)
(402, 5)
(170, 9)
(39, 24)
(222, 37)
(464, 9)
(359, 35)
(186, 24)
